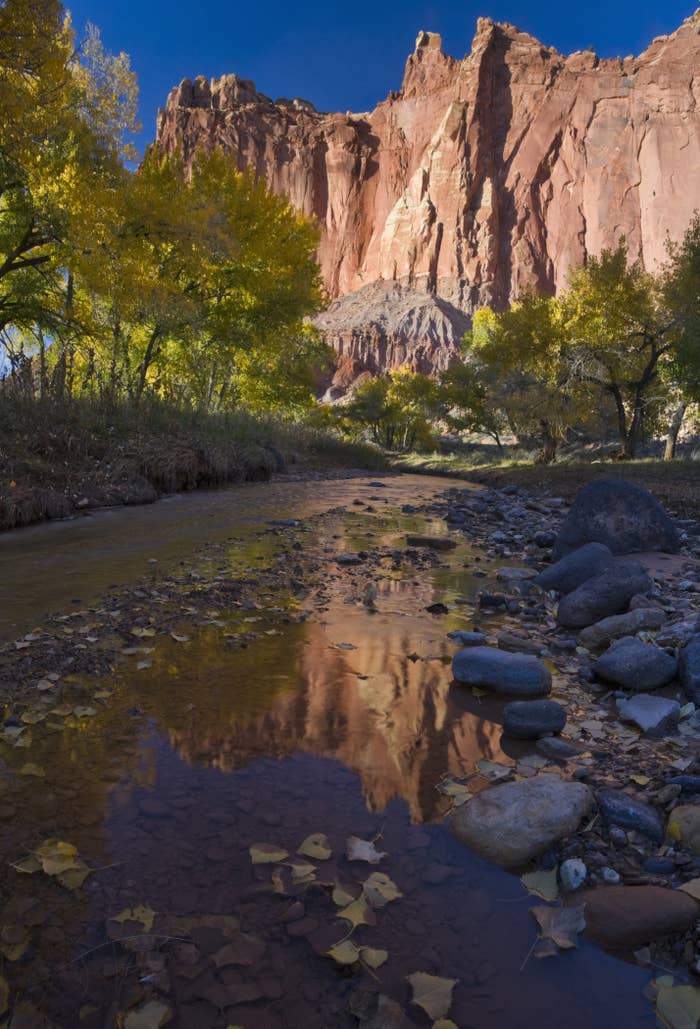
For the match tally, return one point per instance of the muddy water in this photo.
(333, 719)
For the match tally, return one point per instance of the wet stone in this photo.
(627, 917)
(620, 809)
(606, 594)
(531, 719)
(559, 750)
(635, 665)
(689, 669)
(502, 672)
(572, 570)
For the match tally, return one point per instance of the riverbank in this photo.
(57, 460)
(675, 483)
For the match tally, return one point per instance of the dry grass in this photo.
(57, 459)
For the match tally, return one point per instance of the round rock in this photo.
(625, 517)
(572, 570)
(635, 665)
(627, 917)
(606, 594)
(516, 822)
(530, 719)
(487, 668)
(620, 809)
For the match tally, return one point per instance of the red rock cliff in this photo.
(478, 179)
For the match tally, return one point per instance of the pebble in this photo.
(610, 876)
(572, 875)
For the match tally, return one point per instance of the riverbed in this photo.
(319, 700)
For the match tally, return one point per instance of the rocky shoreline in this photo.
(605, 802)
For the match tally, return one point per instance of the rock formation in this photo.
(478, 179)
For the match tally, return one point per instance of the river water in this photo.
(335, 715)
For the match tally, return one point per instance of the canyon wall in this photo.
(479, 179)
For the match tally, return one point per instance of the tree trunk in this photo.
(621, 422)
(549, 445)
(146, 364)
(673, 429)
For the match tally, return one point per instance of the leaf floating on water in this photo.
(559, 926)
(380, 890)
(341, 896)
(151, 1015)
(494, 772)
(358, 913)
(344, 953)
(374, 957)
(692, 887)
(14, 940)
(57, 859)
(31, 769)
(432, 993)
(267, 854)
(316, 846)
(458, 791)
(56, 856)
(180, 639)
(302, 871)
(141, 913)
(641, 780)
(362, 850)
(33, 717)
(678, 1007)
(143, 633)
(542, 884)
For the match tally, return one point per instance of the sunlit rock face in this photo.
(479, 179)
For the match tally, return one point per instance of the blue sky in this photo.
(346, 58)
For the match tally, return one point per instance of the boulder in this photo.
(635, 665)
(603, 595)
(572, 570)
(520, 675)
(516, 822)
(625, 517)
(689, 669)
(684, 826)
(627, 624)
(628, 917)
(530, 719)
(656, 716)
(621, 809)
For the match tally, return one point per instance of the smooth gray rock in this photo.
(635, 665)
(572, 570)
(530, 719)
(627, 917)
(627, 624)
(516, 822)
(488, 668)
(655, 716)
(619, 808)
(606, 594)
(689, 669)
(622, 515)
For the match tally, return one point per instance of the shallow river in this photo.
(335, 718)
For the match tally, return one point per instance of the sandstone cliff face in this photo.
(478, 179)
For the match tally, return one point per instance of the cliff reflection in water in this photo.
(383, 711)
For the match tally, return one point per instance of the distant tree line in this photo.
(619, 347)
